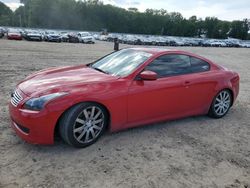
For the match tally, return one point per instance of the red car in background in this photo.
(14, 34)
(124, 89)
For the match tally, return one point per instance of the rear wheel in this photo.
(221, 104)
(83, 124)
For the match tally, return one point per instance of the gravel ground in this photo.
(192, 152)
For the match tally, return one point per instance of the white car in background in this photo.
(86, 37)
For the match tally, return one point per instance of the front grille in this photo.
(15, 98)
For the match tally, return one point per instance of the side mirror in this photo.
(148, 75)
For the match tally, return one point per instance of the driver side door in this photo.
(161, 98)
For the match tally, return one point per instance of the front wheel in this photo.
(83, 124)
(221, 104)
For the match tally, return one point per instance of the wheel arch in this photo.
(56, 129)
(231, 92)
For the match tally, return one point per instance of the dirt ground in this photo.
(192, 152)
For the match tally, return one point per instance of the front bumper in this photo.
(87, 40)
(13, 37)
(34, 38)
(33, 126)
(54, 39)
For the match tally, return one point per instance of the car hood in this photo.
(62, 80)
(34, 34)
(11, 33)
(86, 36)
(53, 35)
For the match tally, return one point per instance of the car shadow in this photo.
(109, 140)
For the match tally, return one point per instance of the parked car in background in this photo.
(235, 43)
(14, 34)
(33, 36)
(132, 39)
(146, 40)
(52, 36)
(73, 38)
(245, 44)
(125, 89)
(85, 37)
(64, 36)
(103, 37)
(217, 43)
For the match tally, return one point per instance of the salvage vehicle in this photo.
(33, 36)
(52, 36)
(73, 38)
(14, 34)
(125, 89)
(64, 36)
(85, 37)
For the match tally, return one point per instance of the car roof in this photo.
(84, 32)
(160, 51)
(156, 50)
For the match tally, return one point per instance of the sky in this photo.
(222, 9)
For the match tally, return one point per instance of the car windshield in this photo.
(84, 34)
(121, 63)
(13, 31)
(34, 32)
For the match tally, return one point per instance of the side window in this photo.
(198, 65)
(170, 65)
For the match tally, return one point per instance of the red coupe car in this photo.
(124, 89)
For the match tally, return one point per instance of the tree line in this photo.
(93, 15)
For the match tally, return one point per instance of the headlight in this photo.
(38, 103)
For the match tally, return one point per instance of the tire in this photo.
(221, 104)
(77, 127)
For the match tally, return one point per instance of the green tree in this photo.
(210, 26)
(239, 29)
(19, 17)
(5, 15)
(94, 15)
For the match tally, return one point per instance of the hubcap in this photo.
(222, 103)
(88, 124)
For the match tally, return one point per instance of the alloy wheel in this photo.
(89, 124)
(222, 103)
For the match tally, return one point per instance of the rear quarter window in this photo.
(199, 65)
